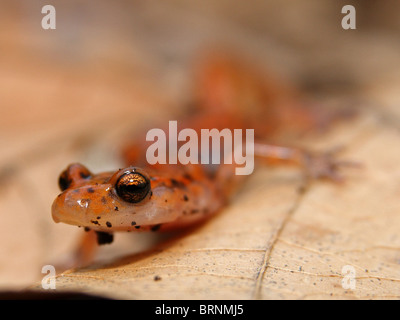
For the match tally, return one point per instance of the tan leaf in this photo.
(276, 241)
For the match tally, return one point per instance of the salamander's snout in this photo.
(69, 208)
(70, 203)
(82, 203)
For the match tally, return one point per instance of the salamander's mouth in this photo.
(77, 215)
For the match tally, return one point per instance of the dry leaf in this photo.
(276, 241)
(71, 95)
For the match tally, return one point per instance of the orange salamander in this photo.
(144, 197)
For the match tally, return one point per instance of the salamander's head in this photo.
(128, 199)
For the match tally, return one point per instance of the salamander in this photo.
(145, 197)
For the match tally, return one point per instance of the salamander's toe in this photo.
(327, 166)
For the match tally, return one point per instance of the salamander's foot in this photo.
(326, 165)
(104, 237)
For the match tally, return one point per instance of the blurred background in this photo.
(75, 93)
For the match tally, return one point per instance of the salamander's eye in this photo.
(74, 172)
(132, 187)
(64, 181)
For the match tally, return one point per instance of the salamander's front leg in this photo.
(85, 251)
(316, 165)
(87, 248)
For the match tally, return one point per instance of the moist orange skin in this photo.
(177, 198)
(228, 94)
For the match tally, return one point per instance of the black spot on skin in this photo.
(188, 176)
(108, 224)
(133, 223)
(157, 278)
(94, 222)
(90, 190)
(104, 237)
(137, 227)
(103, 200)
(177, 184)
(84, 175)
(185, 197)
(165, 200)
(87, 229)
(156, 227)
(98, 218)
(194, 211)
(116, 209)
